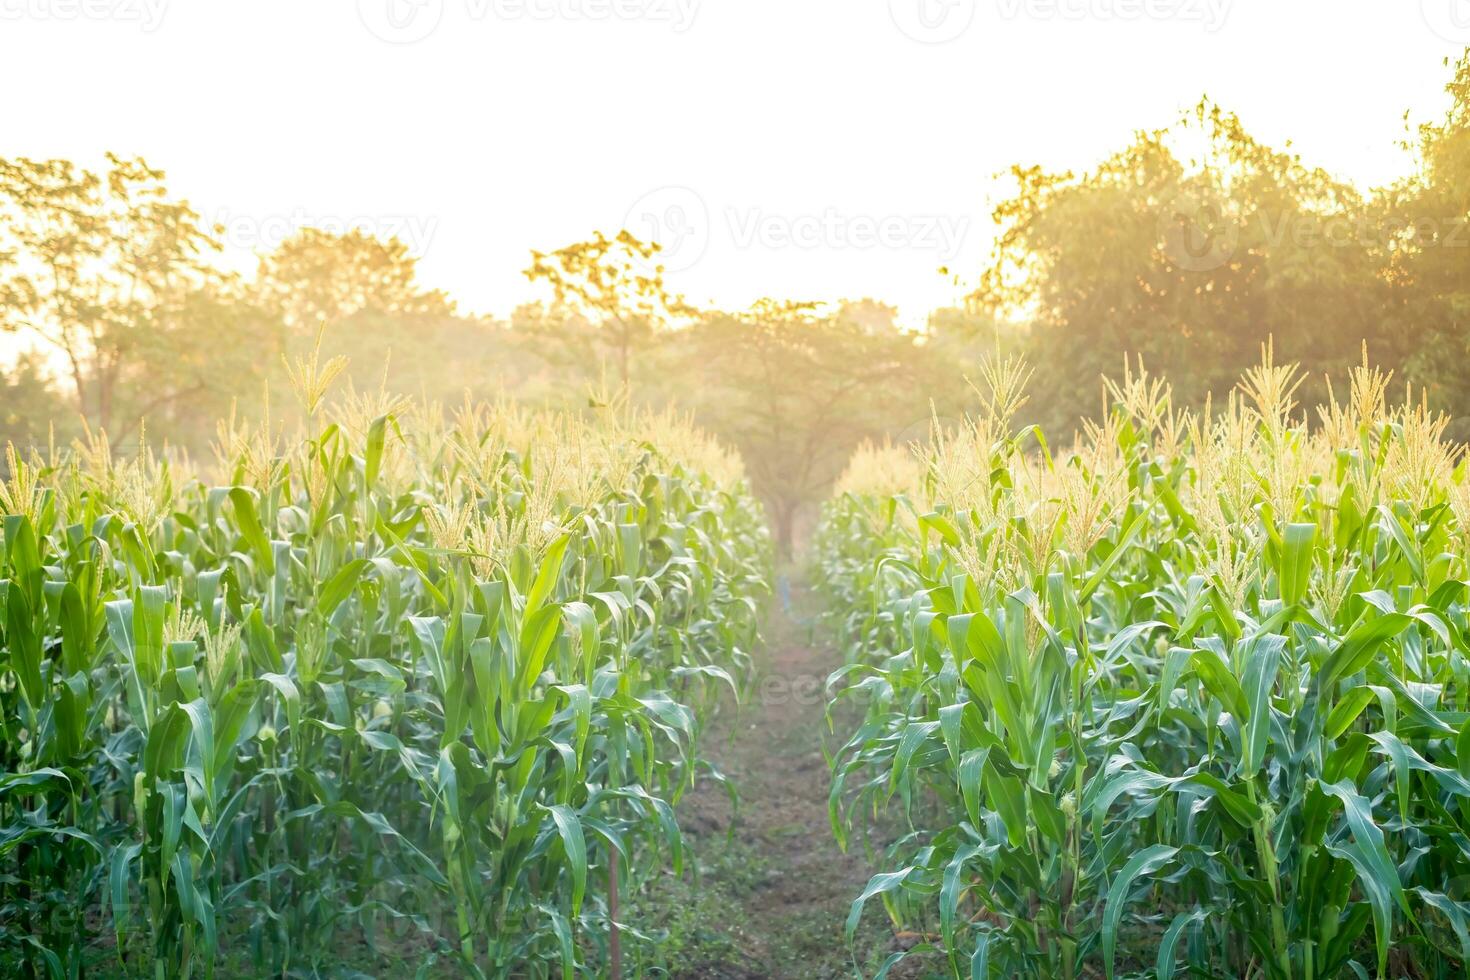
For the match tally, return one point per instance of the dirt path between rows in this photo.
(771, 898)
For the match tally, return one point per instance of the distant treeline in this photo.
(1189, 248)
(1195, 244)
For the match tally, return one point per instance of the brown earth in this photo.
(772, 889)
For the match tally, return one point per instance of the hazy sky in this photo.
(803, 148)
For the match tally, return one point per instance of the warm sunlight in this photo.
(819, 150)
(515, 489)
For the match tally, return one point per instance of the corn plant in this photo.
(402, 672)
(1185, 699)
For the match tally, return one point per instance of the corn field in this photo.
(404, 679)
(1185, 699)
(413, 690)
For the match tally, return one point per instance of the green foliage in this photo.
(318, 277)
(1186, 699)
(616, 286)
(1196, 243)
(394, 679)
(31, 406)
(108, 269)
(796, 388)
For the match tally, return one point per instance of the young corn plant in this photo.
(404, 673)
(1187, 698)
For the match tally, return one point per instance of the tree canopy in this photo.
(1191, 246)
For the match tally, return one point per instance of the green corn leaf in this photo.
(1146, 862)
(1262, 663)
(1295, 569)
(1220, 682)
(340, 586)
(569, 827)
(247, 516)
(879, 884)
(1170, 941)
(1377, 875)
(23, 644)
(1347, 710)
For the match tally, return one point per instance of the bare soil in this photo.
(772, 890)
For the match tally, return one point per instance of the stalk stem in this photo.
(614, 940)
(1266, 855)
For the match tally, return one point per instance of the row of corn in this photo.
(1186, 699)
(407, 687)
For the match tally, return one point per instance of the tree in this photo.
(99, 266)
(868, 315)
(615, 284)
(219, 354)
(318, 277)
(31, 409)
(796, 389)
(1191, 246)
(967, 325)
(558, 336)
(1426, 219)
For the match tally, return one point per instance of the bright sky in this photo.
(812, 149)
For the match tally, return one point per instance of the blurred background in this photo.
(806, 225)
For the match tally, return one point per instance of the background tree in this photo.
(868, 316)
(363, 295)
(796, 389)
(1425, 221)
(1191, 246)
(613, 283)
(318, 277)
(560, 338)
(31, 409)
(102, 267)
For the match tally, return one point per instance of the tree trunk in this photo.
(104, 401)
(783, 521)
